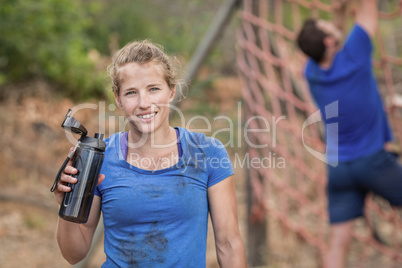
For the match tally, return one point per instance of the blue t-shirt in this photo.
(349, 101)
(160, 218)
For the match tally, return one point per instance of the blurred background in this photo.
(54, 54)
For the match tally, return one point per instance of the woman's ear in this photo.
(117, 99)
(172, 93)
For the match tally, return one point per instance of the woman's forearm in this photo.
(75, 239)
(73, 242)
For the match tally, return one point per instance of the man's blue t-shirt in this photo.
(347, 95)
(160, 218)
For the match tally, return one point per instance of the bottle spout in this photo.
(71, 124)
(99, 136)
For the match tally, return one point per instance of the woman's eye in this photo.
(154, 89)
(130, 93)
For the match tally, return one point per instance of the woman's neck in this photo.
(157, 150)
(152, 144)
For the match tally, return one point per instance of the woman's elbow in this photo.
(73, 259)
(73, 255)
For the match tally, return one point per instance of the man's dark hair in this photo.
(311, 40)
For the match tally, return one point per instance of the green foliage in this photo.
(51, 39)
(125, 18)
(177, 25)
(47, 39)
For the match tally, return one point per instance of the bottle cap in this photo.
(71, 124)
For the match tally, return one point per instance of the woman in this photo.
(158, 183)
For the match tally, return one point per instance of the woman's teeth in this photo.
(145, 116)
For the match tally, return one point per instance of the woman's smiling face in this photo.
(144, 96)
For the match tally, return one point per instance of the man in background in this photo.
(357, 162)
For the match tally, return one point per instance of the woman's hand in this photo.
(66, 178)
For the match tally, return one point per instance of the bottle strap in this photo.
(57, 179)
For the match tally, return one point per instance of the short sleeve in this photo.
(358, 45)
(219, 164)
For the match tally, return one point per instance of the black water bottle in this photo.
(87, 159)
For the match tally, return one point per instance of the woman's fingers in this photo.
(63, 188)
(65, 179)
(68, 179)
(70, 170)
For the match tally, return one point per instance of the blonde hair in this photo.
(142, 52)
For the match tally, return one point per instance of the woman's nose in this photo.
(144, 101)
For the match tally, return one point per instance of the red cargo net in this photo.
(292, 199)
